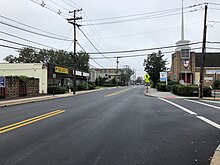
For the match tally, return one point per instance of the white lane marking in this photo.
(203, 104)
(218, 148)
(209, 121)
(212, 123)
(179, 106)
(217, 102)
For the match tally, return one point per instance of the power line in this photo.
(93, 44)
(18, 43)
(140, 18)
(31, 26)
(26, 39)
(140, 55)
(11, 47)
(76, 6)
(36, 33)
(50, 8)
(143, 14)
(58, 5)
(147, 49)
(99, 37)
(90, 56)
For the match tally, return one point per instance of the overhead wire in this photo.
(96, 33)
(36, 33)
(157, 15)
(32, 27)
(92, 43)
(146, 49)
(50, 8)
(90, 56)
(18, 43)
(27, 40)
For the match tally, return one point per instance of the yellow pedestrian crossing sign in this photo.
(146, 77)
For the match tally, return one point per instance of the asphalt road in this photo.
(111, 127)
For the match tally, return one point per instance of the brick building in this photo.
(187, 70)
(186, 64)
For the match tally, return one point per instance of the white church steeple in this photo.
(182, 43)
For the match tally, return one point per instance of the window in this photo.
(185, 54)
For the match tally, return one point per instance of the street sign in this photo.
(163, 76)
(146, 77)
(2, 81)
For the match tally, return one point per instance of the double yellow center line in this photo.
(29, 121)
(115, 93)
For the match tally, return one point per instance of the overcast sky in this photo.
(115, 25)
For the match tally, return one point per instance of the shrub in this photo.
(163, 87)
(216, 84)
(85, 86)
(56, 89)
(190, 90)
(207, 91)
(173, 82)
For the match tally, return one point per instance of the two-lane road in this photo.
(117, 126)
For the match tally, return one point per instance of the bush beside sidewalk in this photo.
(155, 93)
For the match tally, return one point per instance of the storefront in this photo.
(61, 75)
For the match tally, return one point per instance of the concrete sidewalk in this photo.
(154, 93)
(5, 103)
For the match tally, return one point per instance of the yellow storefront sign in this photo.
(61, 70)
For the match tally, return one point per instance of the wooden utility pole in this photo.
(203, 55)
(117, 71)
(73, 22)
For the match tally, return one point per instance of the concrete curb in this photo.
(42, 98)
(216, 157)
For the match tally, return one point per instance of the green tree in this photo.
(154, 64)
(139, 79)
(60, 57)
(126, 74)
(26, 55)
(83, 61)
(10, 58)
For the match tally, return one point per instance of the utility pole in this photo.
(126, 75)
(117, 71)
(203, 55)
(73, 22)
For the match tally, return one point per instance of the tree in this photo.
(83, 61)
(60, 57)
(154, 64)
(126, 74)
(139, 79)
(10, 59)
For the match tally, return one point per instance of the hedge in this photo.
(163, 87)
(56, 89)
(216, 84)
(86, 86)
(190, 90)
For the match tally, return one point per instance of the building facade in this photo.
(108, 73)
(186, 71)
(48, 74)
